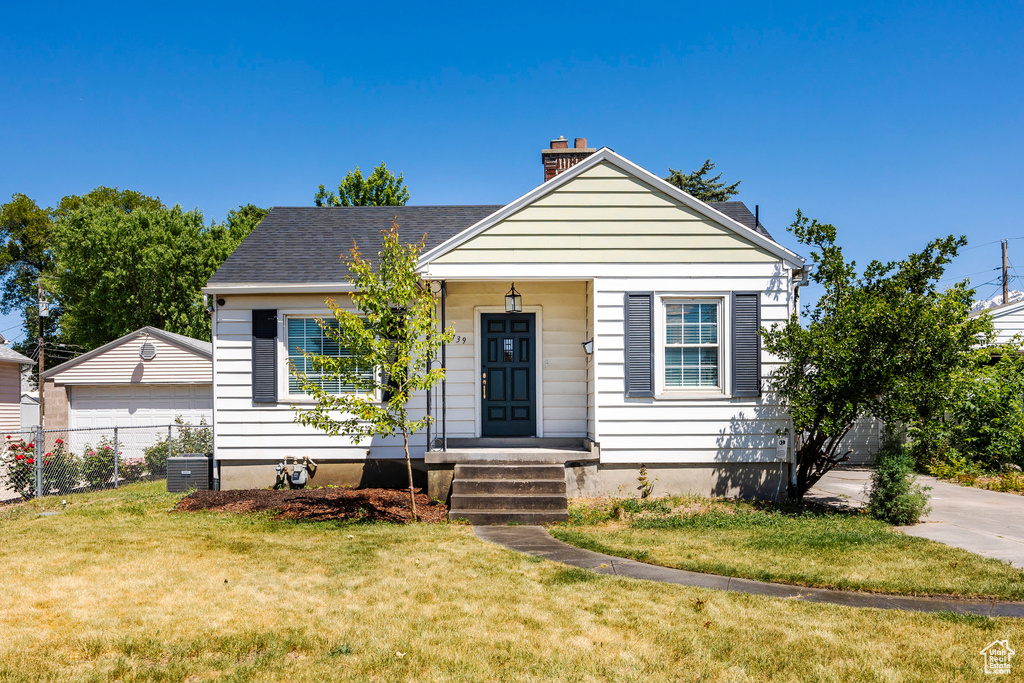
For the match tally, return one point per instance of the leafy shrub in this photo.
(62, 472)
(98, 463)
(17, 466)
(155, 458)
(895, 498)
(982, 427)
(190, 439)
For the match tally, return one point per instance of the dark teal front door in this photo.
(508, 374)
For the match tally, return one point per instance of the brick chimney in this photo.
(559, 157)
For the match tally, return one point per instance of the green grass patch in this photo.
(100, 592)
(802, 545)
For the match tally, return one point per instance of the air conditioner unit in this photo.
(189, 471)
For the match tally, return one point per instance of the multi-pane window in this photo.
(691, 345)
(306, 335)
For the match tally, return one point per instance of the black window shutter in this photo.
(264, 355)
(746, 344)
(639, 344)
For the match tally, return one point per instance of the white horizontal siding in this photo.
(123, 365)
(1008, 324)
(563, 329)
(675, 428)
(244, 430)
(864, 440)
(10, 397)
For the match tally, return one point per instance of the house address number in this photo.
(460, 339)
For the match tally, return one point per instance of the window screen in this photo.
(691, 345)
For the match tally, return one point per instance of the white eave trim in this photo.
(602, 155)
(271, 288)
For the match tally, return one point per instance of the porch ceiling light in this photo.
(588, 347)
(513, 301)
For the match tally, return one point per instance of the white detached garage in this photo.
(147, 377)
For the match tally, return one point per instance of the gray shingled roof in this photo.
(739, 212)
(7, 354)
(303, 244)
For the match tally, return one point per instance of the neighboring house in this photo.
(147, 377)
(637, 342)
(1007, 320)
(11, 365)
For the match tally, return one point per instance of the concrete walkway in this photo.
(988, 523)
(535, 540)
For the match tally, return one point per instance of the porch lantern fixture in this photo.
(513, 301)
(588, 346)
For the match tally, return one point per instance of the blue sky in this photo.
(896, 122)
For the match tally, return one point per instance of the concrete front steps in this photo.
(499, 493)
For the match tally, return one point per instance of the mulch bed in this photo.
(371, 505)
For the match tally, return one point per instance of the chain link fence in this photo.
(51, 462)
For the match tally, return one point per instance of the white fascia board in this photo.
(606, 154)
(585, 271)
(260, 288)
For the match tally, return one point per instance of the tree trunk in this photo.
(408, 464)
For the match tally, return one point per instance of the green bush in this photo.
(156, 458)
(895, 497)
(981, 429)
(61, 470)
(98, 463)
(189, 439)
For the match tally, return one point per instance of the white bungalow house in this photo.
(635, 341)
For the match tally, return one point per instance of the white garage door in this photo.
(142, 404)
(97, 409)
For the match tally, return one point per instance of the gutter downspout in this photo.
(804, 280)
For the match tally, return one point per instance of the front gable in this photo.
(168, 361)
(602, 211)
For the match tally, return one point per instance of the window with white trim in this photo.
(304, 334)
(692, 344)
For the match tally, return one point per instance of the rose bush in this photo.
(18, 466)
(62, 472)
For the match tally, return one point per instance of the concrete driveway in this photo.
(988, 523)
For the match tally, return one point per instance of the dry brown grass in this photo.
(116, 588)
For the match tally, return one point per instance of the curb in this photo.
(535, 540)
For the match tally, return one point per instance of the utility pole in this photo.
(42, 359)
(1006, 279)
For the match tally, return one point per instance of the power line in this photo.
(988, 244)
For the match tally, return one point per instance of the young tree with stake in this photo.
(387, 343)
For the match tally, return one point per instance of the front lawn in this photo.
(807, 546)
(117, 587)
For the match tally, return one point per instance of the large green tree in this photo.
(394, 330)
(884, 343)
(698, 184)
(26, 232)
(122, 200)
(118, 271)
(381, 188)
(28, 251)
